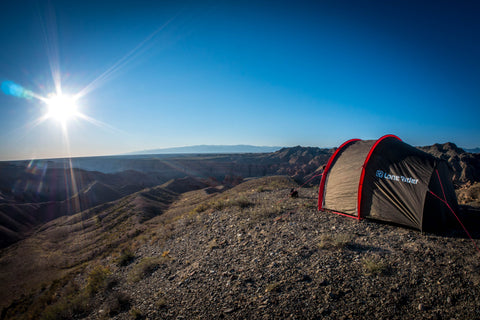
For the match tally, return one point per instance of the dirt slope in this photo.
(254, 252)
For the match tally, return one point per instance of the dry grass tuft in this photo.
(374, 266)
(273, 287)
(338, 241)
(97, 279)
(145, 268)
(126, 257)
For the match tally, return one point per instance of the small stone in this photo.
(305, 278)
(229, 310)
(421, 307)
(324, 282)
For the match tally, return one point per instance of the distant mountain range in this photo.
(474, 150)
(241, 148)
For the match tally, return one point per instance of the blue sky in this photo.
(177, 73)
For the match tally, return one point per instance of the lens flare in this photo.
(16, 90)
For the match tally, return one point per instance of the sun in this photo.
(61, 108)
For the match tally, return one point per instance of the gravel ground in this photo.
(275, 257)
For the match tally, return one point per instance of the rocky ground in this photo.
(254, 252)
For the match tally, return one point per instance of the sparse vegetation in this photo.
(337, 241)
(118, 302)
(97, 279)
(374, 266)
(273, 287)
(161, 301)
(126, 257)
(213, 244)
(263, 212)
(241, 202)
(67, 307)
(145, 267)
(136, 314)
(201, 208)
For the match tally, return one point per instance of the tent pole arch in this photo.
(362, 176)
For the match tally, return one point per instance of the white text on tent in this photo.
(388, 176)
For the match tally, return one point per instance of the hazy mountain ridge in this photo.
(210, 149)
(472, 150)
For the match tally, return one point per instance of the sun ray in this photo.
(50, 35)
(122, 62)
(99, 123)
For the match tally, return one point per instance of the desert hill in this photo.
(65, 244)
(246, 252)
(33, 196)
(466, 166)
(46, 190)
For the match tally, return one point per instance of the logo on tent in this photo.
(388, 176)
(380, 173)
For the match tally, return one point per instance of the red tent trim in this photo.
(362, 176)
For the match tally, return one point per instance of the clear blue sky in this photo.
(176, 73)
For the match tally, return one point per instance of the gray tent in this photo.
(388, 180)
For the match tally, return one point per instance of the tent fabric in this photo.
(387, 180)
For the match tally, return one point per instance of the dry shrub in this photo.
(145, 268)
(374, 266)
(338, 241)
(97, 279)
(201, 208)
(126, 257)
(273, 287)
(118, 302)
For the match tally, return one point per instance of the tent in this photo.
(388, 180)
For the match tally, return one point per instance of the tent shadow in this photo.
(470, 218)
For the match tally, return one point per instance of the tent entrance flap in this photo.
(343, 178)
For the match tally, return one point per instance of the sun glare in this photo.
(61, 108)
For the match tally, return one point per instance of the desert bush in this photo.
(262, 212)
(67, 308)
(374, 266)
(117, 303)
(145, 267)
(97, 279)
(201, 208)
(273, 287)
(337, 241)
(136, 314)
(126, 257)
(241, 202)
(219, 204)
